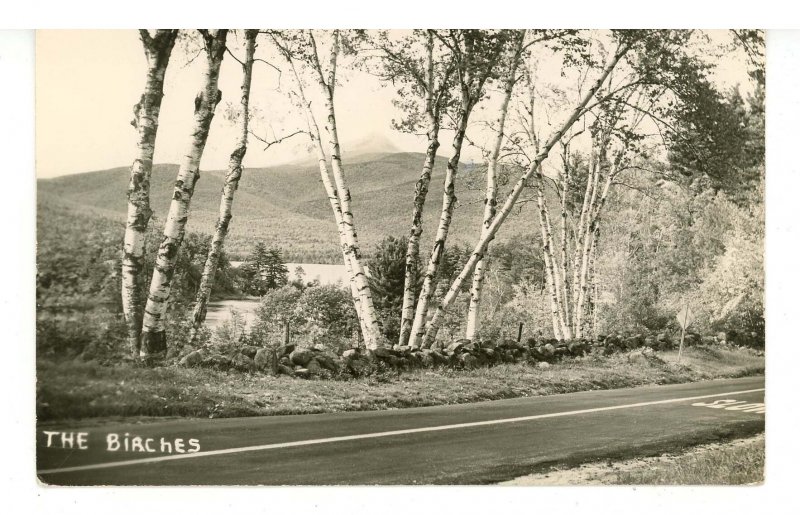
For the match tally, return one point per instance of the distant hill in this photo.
(286, 205)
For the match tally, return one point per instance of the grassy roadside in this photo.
(79, 390)
(738, 462)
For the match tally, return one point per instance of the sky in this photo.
(87, 82)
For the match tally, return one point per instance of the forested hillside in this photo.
(286, 205)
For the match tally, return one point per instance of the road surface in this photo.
(476, 443)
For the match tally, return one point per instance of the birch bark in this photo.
(420, 194)
(448, 205)
(369, 319)
(157, 49)
(228, 191)
(490, 200)
(322, 163)
(154, 339)
(501, 216)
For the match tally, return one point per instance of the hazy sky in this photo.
(87, 82)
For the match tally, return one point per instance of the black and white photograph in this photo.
(400, 257)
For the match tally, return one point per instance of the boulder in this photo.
(350, 353)
(243, 363)
(286, 370)
(284, 360)
(456, 346)
(192, 359)
(301, 372)
(467, 361)
(543, 364)
(425, 359)
(314, 368)
(217, 361)
(548, 350)
(384, 353)
(328, 362)
(722, 337)
(249, 351)
(301, 356)
(266, 360)
(285, 350)
(361, 367)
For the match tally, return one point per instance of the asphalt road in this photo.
(475, 443)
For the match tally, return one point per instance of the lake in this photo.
(220, 311)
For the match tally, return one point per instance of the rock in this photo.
(543, 364)
(283, 369)
(456, 346)
(648, 352)
(318, 348)
(403, 349)
(350, 353)
(243, 363)
(217, 361)
(249, 351)
(285, 350)
(384, 353)
(489, 353)
(722, 337)
(266, 360)
(301, 356)
(426, 360)
(468, 361)
(636, 357)
(314, 368)
(301, 372)
(192, 359)
(284, 360)
(360, 367)
(437, 357)
(548, 350)
(328, 362)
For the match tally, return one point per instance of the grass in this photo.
(80, 390)
(736, 463)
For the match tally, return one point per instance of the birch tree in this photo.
(154, 338)
(157, 49)
(475, 53)
(624, 45)
(301, 47)
(490, 199)
(228, 190)
(423, 77)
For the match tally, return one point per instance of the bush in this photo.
(92, 335)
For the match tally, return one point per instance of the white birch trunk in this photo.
(490, 200)
(228, 192)
(448, 205)
(501, 216)
(587, 246)
(564, 262)
(154, 338)
(157, 49)
(420, 194)
(553, 274)
(369, 319)
(333, 197)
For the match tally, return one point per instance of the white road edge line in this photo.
(300, 443)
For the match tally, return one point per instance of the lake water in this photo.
(220, 311)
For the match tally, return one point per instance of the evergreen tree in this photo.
(264, 270)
